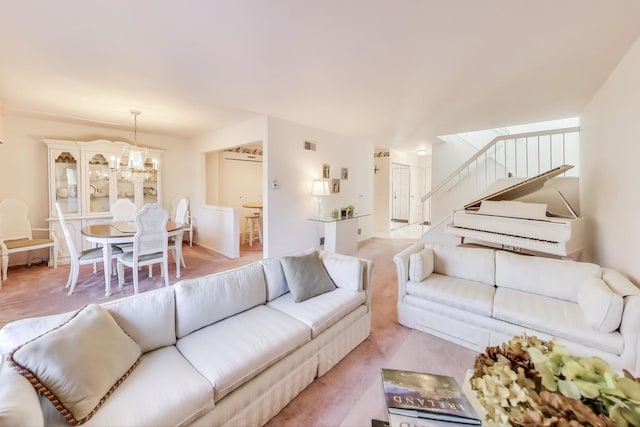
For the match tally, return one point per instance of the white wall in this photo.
(447, 157)
(287, 209)
(609, 154)
(1, 123)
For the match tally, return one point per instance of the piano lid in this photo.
(521, 188)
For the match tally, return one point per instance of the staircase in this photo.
(505, 159)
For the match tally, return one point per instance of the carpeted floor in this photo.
(348, 395)
(39, 290)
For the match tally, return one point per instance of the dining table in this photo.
(115, 233)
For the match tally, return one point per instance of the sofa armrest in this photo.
(366, 279)
(19, 402)
(630, 330)
(402, 266)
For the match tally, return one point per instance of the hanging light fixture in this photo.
(135, 169)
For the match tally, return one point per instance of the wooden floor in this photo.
(39, 289)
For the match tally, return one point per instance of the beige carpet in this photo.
(351, 393)
(419, 352)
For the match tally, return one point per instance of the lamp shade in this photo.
(320, 187)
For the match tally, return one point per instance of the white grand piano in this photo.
(500, 219)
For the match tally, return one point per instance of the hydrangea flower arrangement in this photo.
(531, 382)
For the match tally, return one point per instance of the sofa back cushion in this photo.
(543, 276)
(274, 278)
(205, 300)
(149, 318)
(477, 264)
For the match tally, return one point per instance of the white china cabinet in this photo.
(85, 178)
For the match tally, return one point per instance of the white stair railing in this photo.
(520, 155)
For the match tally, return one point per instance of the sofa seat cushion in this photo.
(163, 390)
(322, 311)
(232, 351)
(556, 317)
(475, 297)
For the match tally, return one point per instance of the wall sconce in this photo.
(422, 151)
(320, 188)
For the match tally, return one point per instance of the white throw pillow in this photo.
(78, 364)
(602, 308)
(420, 265)
(345, 271)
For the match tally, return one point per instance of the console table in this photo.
(340, 234)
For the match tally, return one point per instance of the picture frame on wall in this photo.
(326, 170)
(335, 185)
(344, 173)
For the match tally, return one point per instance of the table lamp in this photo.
(320, 189)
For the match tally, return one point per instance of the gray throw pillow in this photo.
(306, 276)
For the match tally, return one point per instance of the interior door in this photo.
(400, 192)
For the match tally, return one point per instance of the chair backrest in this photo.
(123, 210)
(151, 230)
(14, 220)
(174, 207)
(182, 212)
(67, 235)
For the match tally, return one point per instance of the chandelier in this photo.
(136, 169)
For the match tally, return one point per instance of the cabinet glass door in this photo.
(99, 180)
(126, 188)
(66, 182)
(150, 186)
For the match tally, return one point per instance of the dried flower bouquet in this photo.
(531, 382)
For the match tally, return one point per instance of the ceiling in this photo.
(393, 72)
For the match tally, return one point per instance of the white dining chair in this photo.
(180, 218)
(187, 225)
(123, 210)
(150, 244)
(89, 256)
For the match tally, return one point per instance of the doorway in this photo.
(400, 193)
(234, 187)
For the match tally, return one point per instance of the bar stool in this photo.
(251, 224)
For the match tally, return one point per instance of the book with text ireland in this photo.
(429, 396)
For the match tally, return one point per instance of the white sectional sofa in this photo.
(479, 297)
(232, 348)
